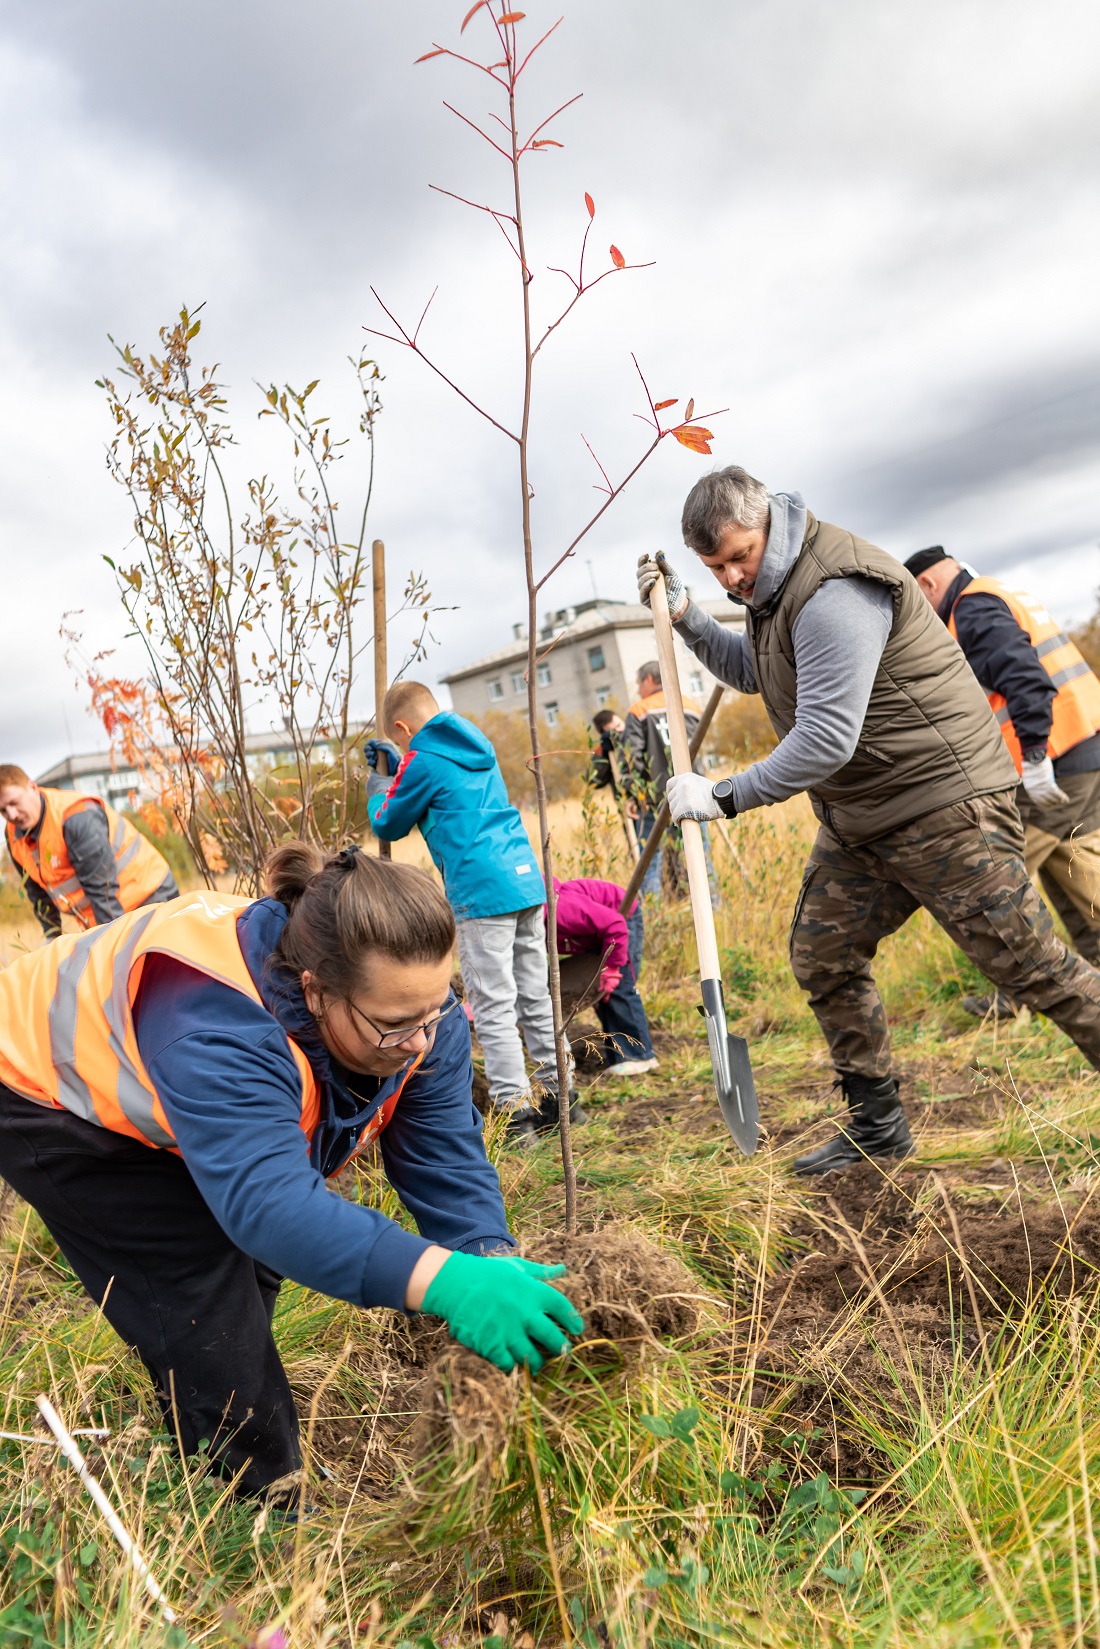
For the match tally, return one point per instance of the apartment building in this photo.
(589, 657)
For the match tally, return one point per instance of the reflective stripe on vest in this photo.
(138, 865)
(67, 1035)
(1075, 712)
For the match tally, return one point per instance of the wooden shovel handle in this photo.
(698, 884)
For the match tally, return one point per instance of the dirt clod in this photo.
(625, 1288)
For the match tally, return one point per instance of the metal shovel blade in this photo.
(733, 1079)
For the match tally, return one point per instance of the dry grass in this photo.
(860, 1414)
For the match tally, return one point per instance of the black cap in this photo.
(924, 559)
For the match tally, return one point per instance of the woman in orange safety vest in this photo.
(175, 1089)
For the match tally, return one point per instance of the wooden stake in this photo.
(381, 663)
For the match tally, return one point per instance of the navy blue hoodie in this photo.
(450, 785)
(231, 1091)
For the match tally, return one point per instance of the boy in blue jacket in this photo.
(444, 779)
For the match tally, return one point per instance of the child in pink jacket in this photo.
(590, 921)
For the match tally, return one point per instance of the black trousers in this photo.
(131, 1222)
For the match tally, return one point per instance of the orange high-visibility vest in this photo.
(1076, 708)
(140, 868)
(67, 1035)
(656, 701)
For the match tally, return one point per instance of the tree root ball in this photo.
(627, 1291)
(624, 1287)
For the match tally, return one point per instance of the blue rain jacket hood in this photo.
(450, 785)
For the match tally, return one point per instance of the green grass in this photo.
(700, 1492)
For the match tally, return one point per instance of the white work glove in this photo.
(690, 796)
(1040, 784)
(649, 570)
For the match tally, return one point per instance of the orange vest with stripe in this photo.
(656, 702)
(1076, 709)
(140, 868)
(67, 1035)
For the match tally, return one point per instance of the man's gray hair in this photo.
(724, 498)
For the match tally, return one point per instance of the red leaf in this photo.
(659, 406)
(513, 16)
(437, 53)
(473, 11)
(617, 258)
(590, 203)
(694, 437)
(547, 143)
(689, 410)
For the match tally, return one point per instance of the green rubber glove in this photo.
(502, 1308)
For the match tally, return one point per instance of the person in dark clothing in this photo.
(208, 1065)
(608, 766)
(76, 856)
(1047, 702)
(649, 763)
(608, 754)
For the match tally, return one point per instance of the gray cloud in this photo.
(876, 234)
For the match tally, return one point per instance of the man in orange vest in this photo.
(77, 856)
(1047, 701)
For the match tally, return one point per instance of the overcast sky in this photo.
(875, 230)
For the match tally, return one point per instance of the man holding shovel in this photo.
(882, 721)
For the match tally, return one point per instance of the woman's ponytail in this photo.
(289, 869)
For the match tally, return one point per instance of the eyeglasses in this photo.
(394, 1039)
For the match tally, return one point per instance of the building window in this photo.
(550, 711)
(496, 691)
(519, 682)
(695, 682)
(602, 696)
(543, 676)
(596, 659)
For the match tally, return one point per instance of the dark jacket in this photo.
(232, 1093)
(1002, 657)
(450, 786)
(929, 737)
(647, 749)
(602, 773)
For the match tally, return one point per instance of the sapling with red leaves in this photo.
(502, 61)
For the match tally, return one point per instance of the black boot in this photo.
(522, 1127)
(548, 1111)
(876, 1127)
(998, 1003)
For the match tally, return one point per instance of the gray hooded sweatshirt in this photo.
(839, 637)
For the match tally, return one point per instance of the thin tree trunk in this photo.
(381, 662)
(560, 1044)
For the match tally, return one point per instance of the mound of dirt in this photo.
(465, 1406)
(627, 1291)
(887, 1291)
(624, 1287)
(877, 1242)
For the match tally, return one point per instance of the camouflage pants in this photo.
(965, 865)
